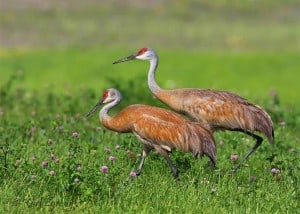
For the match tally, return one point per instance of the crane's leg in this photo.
(257, 144)
(165, 154)
(146, 151)
(173, 168)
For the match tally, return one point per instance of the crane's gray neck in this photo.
(103, 114)
(151, 76)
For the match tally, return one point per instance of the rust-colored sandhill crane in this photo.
(157, 128)
(217, 110)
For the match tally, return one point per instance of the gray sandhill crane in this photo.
(157, 128)
(214, 109)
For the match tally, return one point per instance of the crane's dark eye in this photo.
(143, 50)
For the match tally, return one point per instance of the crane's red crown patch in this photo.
(143, 50)
(105, 95)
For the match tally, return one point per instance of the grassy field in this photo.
(46, 166)
(56, 59)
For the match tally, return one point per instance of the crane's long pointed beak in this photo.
(94, 109)
(131, 57)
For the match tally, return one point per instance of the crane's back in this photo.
(219, 110)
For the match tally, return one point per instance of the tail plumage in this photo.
(264, 124)
(203, 143)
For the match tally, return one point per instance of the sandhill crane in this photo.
(157, 128)
(217, 110)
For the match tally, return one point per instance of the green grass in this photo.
(55, 60)
(42, 124)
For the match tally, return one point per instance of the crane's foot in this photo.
(175, 174)
(138, 172)
(234, 169)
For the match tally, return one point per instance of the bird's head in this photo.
(109, 95)
(142, 54)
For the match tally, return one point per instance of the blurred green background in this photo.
(249, 47)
